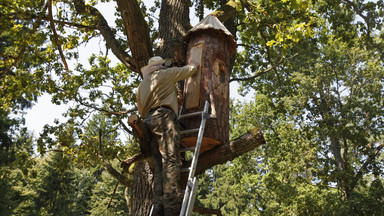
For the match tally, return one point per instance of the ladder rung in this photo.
(190, 114)
(185, 169)
(189, 131)
(187, 149)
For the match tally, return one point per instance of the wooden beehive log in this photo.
(211, 45)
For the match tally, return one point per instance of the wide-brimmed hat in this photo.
(155, 63)
(155, 60)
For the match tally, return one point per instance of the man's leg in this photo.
(165, 129)
(169, 150)
(153, 125)
(158, 209)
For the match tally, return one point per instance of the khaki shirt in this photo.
(158, 88)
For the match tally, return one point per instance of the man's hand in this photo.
(195, 63)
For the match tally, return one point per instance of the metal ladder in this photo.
(192, 183)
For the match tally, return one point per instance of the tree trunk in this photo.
(173, 25)
(141, 189)
(343, 178)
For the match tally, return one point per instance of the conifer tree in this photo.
(62, 189)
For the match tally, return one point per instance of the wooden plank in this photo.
(192, 85)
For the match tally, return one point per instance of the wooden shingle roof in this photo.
(211, 22)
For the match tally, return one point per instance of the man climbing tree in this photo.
(157, 103)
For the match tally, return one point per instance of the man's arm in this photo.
(179, 73)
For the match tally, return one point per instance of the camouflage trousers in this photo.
(165, 143)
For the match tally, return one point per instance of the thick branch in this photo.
(137, 31)
(125, 164)
(124, 126)
(359, 12)
(117, 175)
(107, 33)
(366, 163)
(231, 150)
(226, 12)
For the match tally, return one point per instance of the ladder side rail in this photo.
(180, 111)
(199, 140)
(192, 197)
(185, 201)
(151, 212)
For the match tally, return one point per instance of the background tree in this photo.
(109, 196)
(61, 189)
(17, 170)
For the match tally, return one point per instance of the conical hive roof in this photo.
(211, 22)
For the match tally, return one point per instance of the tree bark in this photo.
(142, 191)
